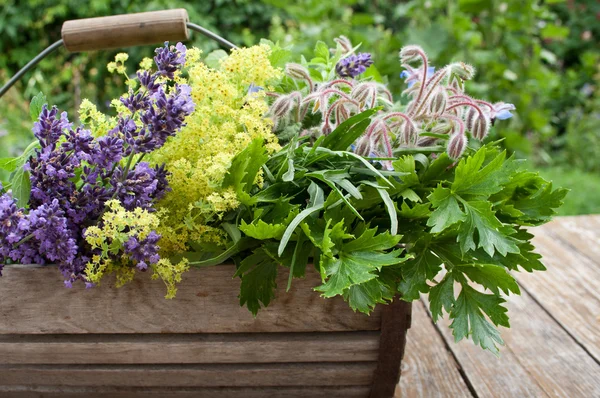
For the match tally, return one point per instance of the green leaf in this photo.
(442, 296)
(420, 210)
(294, 224)
(262, 230)
(258, 273)
(289, 174)
(491, 276)
(473, 178)
(469, 319)
(347, 132)
(446, 213)
(36, 105)
(358, 260)
(21, 186)
(322, 50)
(364, 296)
(9, 164)
(492, 235)
(415, 272)
(244, 168)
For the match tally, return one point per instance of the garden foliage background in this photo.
(542, 56)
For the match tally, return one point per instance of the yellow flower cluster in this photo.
(118, 225)
(226, 119)
(97, 121)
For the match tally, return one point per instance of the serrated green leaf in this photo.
(469, 320)
(258, 273)
(447, 211)
(442, 296)
(364, 296)
(492, 235)
(417, 271)
(491, 276)
(244, 169)
(262, 230)
(322, 51)
(417, 211)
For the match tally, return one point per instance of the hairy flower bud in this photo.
(344, 42)
(456, 145)
(462, 70)
(364, 146)
(297, 71)
(410, 54)
(282, 106)
(480, 127)
(437, 106)
(470, 115)
(408, 133)
(362, 92)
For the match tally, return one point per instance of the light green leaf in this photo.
(446, 213)
(36, 105)
(262, 230)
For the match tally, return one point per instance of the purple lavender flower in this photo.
(353, 65)
(141, 187)
(108, 151)
(49, 127)
(48, 226)
(135, 102)
(169, 59)
(143, 252)
(148, 80)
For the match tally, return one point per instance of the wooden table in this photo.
(553, 346)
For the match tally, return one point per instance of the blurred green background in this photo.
(542, 56)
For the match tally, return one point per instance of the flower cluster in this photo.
(229, 114)
(438, 110)
(75, 177)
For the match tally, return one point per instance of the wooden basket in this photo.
(126, 342)
(131, 342)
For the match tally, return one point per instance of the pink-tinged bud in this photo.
(282, 106)
(409, 134)
(344, 42)
(410, 54)
(297, 71)
(442, 128)
(462, 70)
(470, 115)
(363, 92)
(437, 106)
(364, 146)
(456, 145)
(481, 127)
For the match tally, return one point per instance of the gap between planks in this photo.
(200, 348)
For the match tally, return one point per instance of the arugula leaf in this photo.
(469, 319)
(244, 168)
(36, 105)
(294, 224)
(492, 234)
(348, 131)
(258, 272)
(446, 213)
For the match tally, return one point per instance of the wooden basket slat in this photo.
(34, 302)
(206, 348)
(247, 392)
(213, 375)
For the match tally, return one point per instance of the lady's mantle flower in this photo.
(353, 65)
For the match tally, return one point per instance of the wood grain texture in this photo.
(120, 31)
(569, 289)
(34, 302)
(539, 360)
(582, 233)
(214, 375)
(395, 322)
(226, 392)
(182, 349)
(428, 368)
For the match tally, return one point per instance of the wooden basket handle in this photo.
(125, 30)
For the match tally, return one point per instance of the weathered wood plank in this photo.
(580, 232)
(181, 349)
(214, 375)
(539, 359)
(34, 302)
(569, 289)
(428, 368)
(260, 392)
